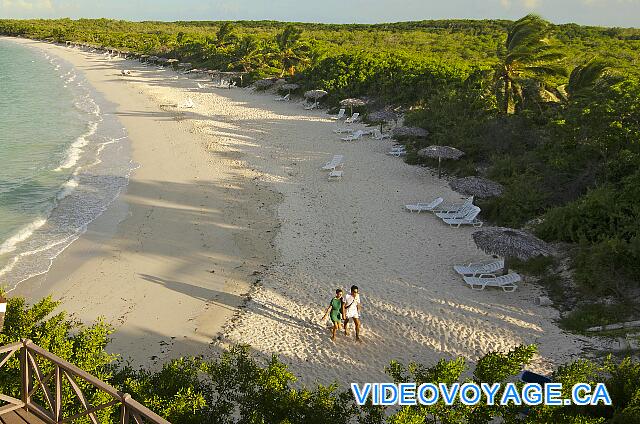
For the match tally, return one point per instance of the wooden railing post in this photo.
(124, 414)
(24, 371)
(58, 401)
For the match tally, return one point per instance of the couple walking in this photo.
(347, 307)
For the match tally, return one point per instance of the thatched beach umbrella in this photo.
(410, 132)
(382, 116)
(350, 103)
(476, 186)
(263, 84)
(510, 243)
(315, 95)
(290, 87)
(441, 152)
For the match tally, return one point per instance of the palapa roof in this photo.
(315, 94)
(444, 152)
(476, 186)
(382, 116)
(511, 243)
(410, 132)
(290, 86)
(264, 83)
(353, 102)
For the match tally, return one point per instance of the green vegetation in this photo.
(550, 111)
(238, 387)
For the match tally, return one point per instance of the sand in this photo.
(234, 185)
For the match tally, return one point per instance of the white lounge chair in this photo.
(469, 219)
(506, 282)
(397, 153)
(424, 207)
(377, 135)
(355, 136)
(474, 269)
(339, 116)
(283, 98)
(461, 213)
(335, 175)
(354, 118)
(343, 130)
(454, 210)
(333, 163)
(188, 103)
(311, 107)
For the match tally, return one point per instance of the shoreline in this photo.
(145, 273)
(292, 238)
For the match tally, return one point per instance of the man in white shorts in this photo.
(351, 310)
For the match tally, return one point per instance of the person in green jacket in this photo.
(335, 312)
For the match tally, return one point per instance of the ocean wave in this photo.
(16, 259)
(24, 233)
(75, 150)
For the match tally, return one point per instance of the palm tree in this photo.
(527, 53)
(291, 51)
(247, 54)
(225, 35)
(584, 77)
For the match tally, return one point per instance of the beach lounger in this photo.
(377, 135)
(339, 116)
(335, 175)
(283, 98)
(333, 163)
(311, 107)
(354, 118)
(469, 219)
(343, 130)
(532, 377)
(421, 207)
(188, 103)
(474, 269)
(455, 209)
(355, 136)
(461, 213)
(397, 153)
(506, 282)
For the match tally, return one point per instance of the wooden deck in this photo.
(20, 416)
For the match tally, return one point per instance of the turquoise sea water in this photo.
(62, 160)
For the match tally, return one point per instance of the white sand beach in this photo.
(229, 232)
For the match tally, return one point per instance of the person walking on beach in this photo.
(351, 310)
(335, 309)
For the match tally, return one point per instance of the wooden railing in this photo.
(34, 381)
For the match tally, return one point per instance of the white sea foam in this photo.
(75, 150)
(16, 259)
(24, 233)
(68, 188)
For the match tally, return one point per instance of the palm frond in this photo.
(584, 77)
